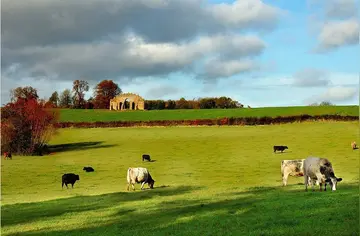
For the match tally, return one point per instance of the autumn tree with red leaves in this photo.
(105, 91)
(26, 126)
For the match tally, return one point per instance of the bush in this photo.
(26, 126)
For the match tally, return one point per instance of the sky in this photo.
(260, 53)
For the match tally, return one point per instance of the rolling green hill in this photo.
(209, 181)
(77, 115)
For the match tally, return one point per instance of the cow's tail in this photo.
(282, 168)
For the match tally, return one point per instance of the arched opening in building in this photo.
(126, 104)
(120, 106)
(133, 105)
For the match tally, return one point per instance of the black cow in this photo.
(88, 169)
(280, 148)
(146, 157)
(69, 178)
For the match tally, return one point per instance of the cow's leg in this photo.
(306, 181)
(133, 186)
(128, 187)
(285, 178)
(66, 185)
(319, 180)
(142, 185)
(72, 185)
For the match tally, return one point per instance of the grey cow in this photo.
(139, 175)
(321, 170)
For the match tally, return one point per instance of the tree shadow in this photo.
(266, 211)
(78, 146)
(29, 212)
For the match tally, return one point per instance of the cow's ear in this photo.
(338, 179)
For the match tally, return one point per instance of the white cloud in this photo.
(311, 77)
(337, 34)
(335, 95)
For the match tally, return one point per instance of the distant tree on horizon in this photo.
(104, 91)
(79, 89)
(54, 99)
(26, 93)
(65, 100)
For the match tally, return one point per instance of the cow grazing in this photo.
(139, 175)
(353, 145)
(146, 157)
(88, 169)
(292, 168)
(280, 148)
(69, 178)
(319, 169)
(7, 155)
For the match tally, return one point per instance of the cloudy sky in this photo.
(261, 53)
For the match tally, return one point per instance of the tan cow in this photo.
(353, 145)
(139, 175)
(292, 168)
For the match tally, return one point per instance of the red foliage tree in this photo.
(26, 126)
(105, 91)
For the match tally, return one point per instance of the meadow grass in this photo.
(80, 115)
(209, 181)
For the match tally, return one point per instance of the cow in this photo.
(7, 155)
(139, 175)
(280, 148)
(353, 145)
(146, 157)
(69, 178)
(319, 169)
(292, 168)
(88, 169)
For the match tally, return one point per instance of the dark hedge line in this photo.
(209, 122)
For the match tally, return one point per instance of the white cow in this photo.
(139, 175)
(319, 169)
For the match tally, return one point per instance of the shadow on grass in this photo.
(258, 211)
(78, 146)
(27, 212)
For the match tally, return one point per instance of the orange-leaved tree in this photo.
(105, 91)
(26, 126)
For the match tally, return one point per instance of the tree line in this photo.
(106, 90)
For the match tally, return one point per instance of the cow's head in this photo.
(333, 180)
(77, 177)
(286, 147)
(151, 183)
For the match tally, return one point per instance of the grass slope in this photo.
(209, 181)
(76, 115)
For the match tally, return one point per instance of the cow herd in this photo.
(134, 175)
(313, 169)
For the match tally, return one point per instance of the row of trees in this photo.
(202, 103)
(106, 90)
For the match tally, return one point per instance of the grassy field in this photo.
(76, 115)
(209, 181)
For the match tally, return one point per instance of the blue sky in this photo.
(261, 53)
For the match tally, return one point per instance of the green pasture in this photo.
(209, 181)
(79, 115)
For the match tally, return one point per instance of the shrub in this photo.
(26, 126)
